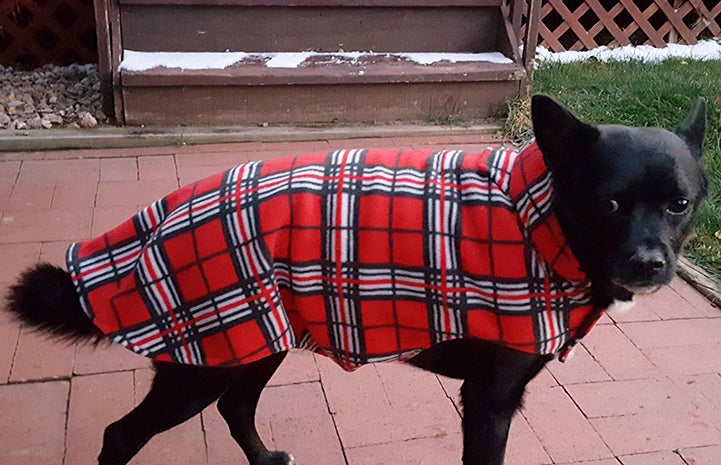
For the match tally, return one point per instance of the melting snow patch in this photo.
(141, 61)
(703, 50)
(287, 60)
(427, 58)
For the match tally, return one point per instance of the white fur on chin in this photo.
(619, 307)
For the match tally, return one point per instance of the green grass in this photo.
(651, 95)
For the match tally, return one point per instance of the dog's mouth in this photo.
(639, 288)
(643, 283)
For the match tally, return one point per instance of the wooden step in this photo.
(327, 88)
(323, 26)
(335, 87)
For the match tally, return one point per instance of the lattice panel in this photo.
(587, 24)
(36, 32)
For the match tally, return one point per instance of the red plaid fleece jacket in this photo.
(361, 255)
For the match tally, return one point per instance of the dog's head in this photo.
(625, 196)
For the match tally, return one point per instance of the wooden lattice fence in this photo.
(36, 32)
(587, 24)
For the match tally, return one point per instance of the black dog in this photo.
(624, 199)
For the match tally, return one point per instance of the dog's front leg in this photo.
(495, 379)
(487, 413)
(490, 398)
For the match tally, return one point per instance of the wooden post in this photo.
(105, 69)
(517, 16)
(530, 41)
(110, 50)
(116, 55)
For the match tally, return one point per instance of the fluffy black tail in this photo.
(45, 298)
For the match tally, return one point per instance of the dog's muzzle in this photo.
(647, 263)
(645, 271)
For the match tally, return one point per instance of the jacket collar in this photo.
(531, 190)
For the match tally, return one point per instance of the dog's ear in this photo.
(693, 128)
(560, 135)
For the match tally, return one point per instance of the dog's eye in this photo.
(611, 206)
(678, 206)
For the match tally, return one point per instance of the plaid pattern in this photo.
(362, 255)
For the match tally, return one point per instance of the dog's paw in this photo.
(277, 458)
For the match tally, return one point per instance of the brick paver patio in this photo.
(644, 388)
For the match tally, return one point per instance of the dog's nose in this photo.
(648, 262)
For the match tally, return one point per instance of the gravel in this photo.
(50, 97)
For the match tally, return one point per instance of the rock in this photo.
(20, 125)
(12, 106)
(74, 91)
(87, 120)
(4, 120)
(35, 122)
(46, 124)
(54, 119)
(28, 109)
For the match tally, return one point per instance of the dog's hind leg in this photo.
(178, 393)
(238, 405)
